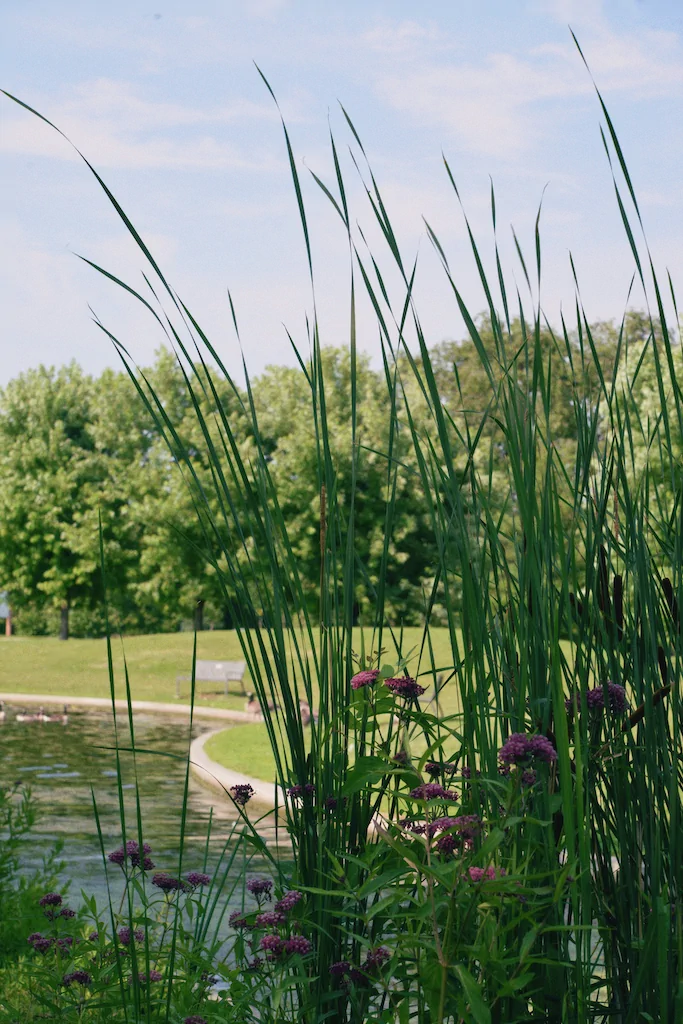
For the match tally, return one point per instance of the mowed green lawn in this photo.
(78, 668)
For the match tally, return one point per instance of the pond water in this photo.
(62, 762)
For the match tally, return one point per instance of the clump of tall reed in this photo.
(521, 858)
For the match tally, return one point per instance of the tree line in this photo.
(85, 471)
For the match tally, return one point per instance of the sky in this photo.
(167, 104)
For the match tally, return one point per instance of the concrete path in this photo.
(49, 699)
(213, 774)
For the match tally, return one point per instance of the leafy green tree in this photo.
(47, 462)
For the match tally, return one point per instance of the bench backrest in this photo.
(219, 671)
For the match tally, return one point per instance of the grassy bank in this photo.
(78, 668)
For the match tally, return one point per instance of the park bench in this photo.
(215, 672)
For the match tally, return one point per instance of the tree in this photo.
(47, 461)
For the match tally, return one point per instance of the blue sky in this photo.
(166, 103)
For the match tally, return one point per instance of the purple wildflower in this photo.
(197, 878)
(340, 968)
(242, 793)
(331, 803)
(238, 920)
(194, 1019)
(404, 687)
(80, 977)
(519, 747)
(94, 937)
(125, 935)
(66, 942)
(295, 792)
(273, 945)
(154, 975)
(595, 699)
(133, 848)
(289, 900)
(365, 678)
(50, 899)
(117, 856)
(255, 964)
(528, 777)
(260, 887)
(435, 768)
(489, 874)
(433, 791)
(67, 913)
(447, 844)
(401, 757)
(298, 944)
(138, 858)
(269, 919)
(376, 958)
(42, 944)
(167, 883)
(440, 825)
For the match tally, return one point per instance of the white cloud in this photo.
(495, 107)
(118, 128)
(402, 37)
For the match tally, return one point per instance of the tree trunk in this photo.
(199, 616)
(64, 622)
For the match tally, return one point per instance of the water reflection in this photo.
(62, 762)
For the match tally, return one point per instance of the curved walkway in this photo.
(216, 775)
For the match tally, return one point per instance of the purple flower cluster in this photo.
(273, 945)
(405, 687)
(376, 958)
(365, 678)
(79, 977)
(374, 961)
(198, 878)
(519, 748)
(153, 975)
(50, 899)
(288, 901)
(242, 793)
(298, 791)
(40, 943)
(238, 920)
(269, 919)
(194, 1018)
(434, 769)
(298, 944)
(466, 825)
(595, 699)
(168, 883)
(139, 858)
(125, 935)
(260, 887)
(489, 874)
(433, 791)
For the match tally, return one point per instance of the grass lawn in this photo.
(78, 668)
(244, 748)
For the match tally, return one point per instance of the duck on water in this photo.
(41, 716)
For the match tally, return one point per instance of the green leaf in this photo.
(480, 1010)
